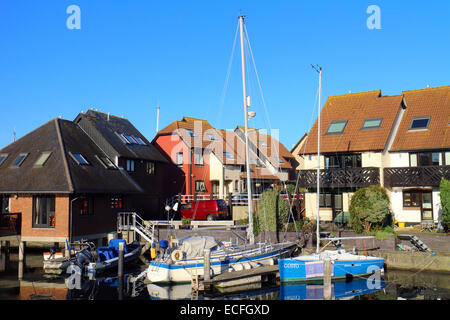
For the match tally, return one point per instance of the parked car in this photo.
(205, 210)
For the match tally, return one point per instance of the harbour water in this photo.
(27, 281)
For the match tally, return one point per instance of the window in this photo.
(211, 137)
(191, 133)
(411, 198)
(336, 127)
(44, 211)
(427, 159)
(447, 158)
(106, 162)
(116, 202)
(419, 123)
(78, 157)
(200, 186)
(198, 158)
(372, 123)
(228, 155)
(325, 200)
(130, 165)
(42, 159)
(140, 141)
(4, 204)
(87, 206)
(3, 157)
(131, 139)
(19, 160)
(122, 137)
(150, 168)
(180, 159)
(343, 161)
(236, 185)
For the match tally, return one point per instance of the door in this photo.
(337, 204)
(427, 206)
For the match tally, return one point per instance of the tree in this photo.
(445, 202)
(369, 209)
(273, 210)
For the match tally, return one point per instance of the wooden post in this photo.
(21, 250)
(206, 265)
(120, 263)
(327, 279)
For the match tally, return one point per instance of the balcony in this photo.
(415, 176)
(340, 178)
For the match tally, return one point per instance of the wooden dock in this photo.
(242, 277)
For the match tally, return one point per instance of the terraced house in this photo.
(69, 179)
(400, 142)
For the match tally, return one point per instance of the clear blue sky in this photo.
(130, 55)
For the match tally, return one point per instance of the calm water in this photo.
(34, 285)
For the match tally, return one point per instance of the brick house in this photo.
(64, 185)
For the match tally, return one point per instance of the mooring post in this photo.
(206, 265)
(21, 250)
(120, 270)
(327, 280)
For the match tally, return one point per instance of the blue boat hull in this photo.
(292, 270)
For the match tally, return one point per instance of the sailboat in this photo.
(184, 259)
(344, 265)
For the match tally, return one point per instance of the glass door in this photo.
(427, 206)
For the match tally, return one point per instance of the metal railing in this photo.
(240, 199)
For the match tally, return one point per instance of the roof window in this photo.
(78, 157)
(42, 159)
(106, 162)
(228, 155)
(3, 157)
(372, 123)
(19, 160)
(419, 123)
(139, 140)
(336, 127)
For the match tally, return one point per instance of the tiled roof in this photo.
(432, 102)
(355, 108)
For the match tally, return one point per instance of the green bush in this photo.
(369, 209)
(273, 211)
(445, 203)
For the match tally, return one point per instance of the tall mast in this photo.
(319, 70)
(250, 235)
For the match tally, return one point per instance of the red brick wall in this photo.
(24, 205)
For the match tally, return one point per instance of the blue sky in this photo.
(130, 55)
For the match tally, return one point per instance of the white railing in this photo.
(240, 199)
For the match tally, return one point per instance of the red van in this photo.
(205, 210)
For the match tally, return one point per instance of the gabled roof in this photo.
(429, 102)
(355, 108)
(60, 173)
(104, 129)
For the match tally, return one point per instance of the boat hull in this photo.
(293, 270)
(187, 270)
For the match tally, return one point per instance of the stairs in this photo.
(419, 244)
(130, 221)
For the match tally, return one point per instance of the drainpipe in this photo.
(70, 219)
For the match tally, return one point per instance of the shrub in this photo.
(273, 211)
(369, 209)
(445, 202)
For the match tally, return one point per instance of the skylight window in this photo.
(372, 123)
(419, 123)
(228, 155)
(106, 162)
(191, 133)
(139, 140)
(131, 139)
(19, 160)
(211, 137)
(122, 137)
(78, 157)
(3, 157)
(336, 127)
(42, 159)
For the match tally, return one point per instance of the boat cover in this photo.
(193, 246)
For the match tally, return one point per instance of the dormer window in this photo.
(372, 123)
(42, 159)
(419, 123)
(336, 127)
(19, 160)
(78, 157)
(3, 157)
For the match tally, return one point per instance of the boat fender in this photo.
(177, 255)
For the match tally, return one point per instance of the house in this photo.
(420, 156)
(63, 185)
(355, 131)
(400, 142)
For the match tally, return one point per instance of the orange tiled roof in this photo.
(355, 108)
(433, 102)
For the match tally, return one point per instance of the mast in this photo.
(250, 235)
(319, 70)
